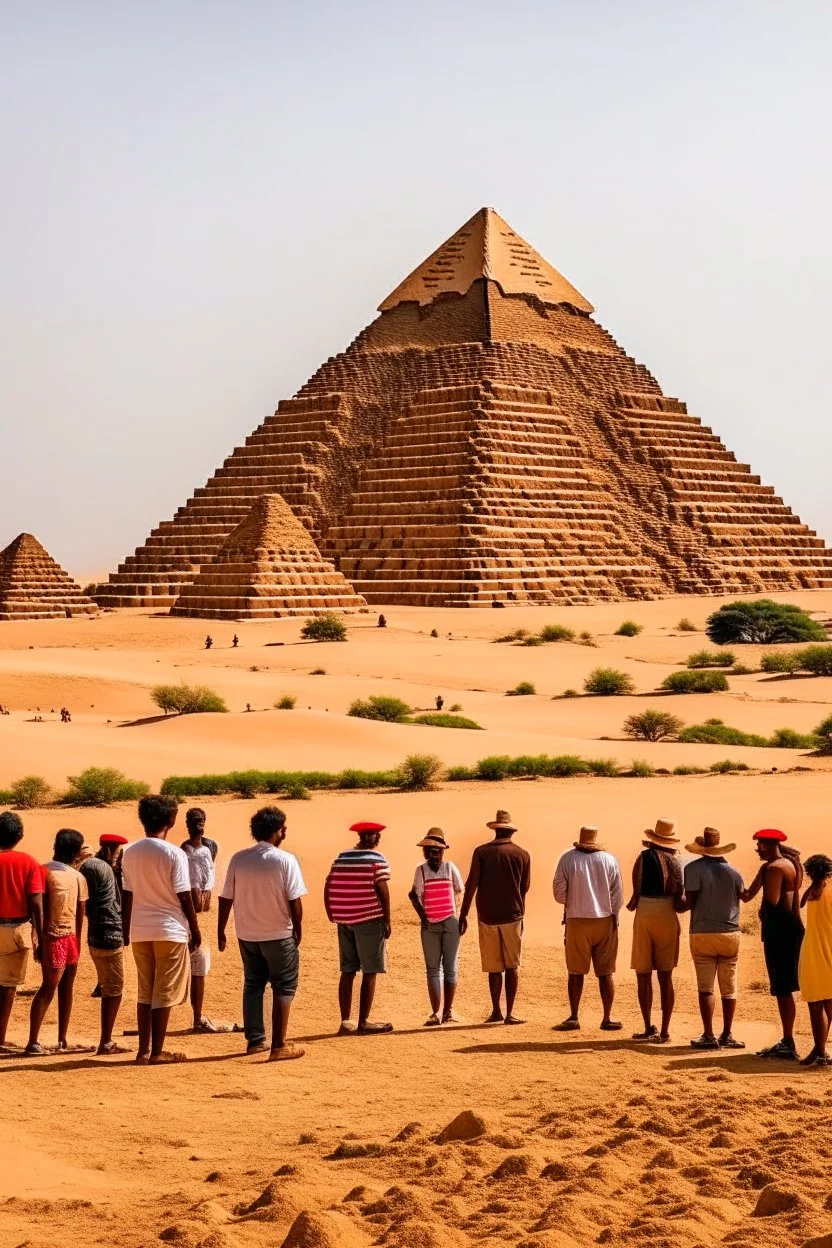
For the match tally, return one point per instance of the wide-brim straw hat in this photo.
(708, 846)
(502, 822)
(434, 838)
(588, 839)
(662, 835)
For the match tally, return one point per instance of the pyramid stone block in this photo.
(268, 567)
(34, 587)
(485, 440)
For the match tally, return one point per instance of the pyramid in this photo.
(268, 567)
(34, 587)
(484, 440)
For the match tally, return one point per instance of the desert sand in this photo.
(583, 1139)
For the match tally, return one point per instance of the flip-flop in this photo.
(511, 1021)
(112, 1050)
(374, 1029)
(167, 1058)
(76, 1048)
(433, 1021)
(646, 1035)
(728, 1042)
(704, 1042)
(659, 1039)
(492, 1019)
(287, 1053)
(451, 1018)
(568, 1024)
(347, 1028)
(609, 1025)
(38, 1050)
(206, 1028)
(782, 1052)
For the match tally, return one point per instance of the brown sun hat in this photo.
(708, 846)
(662, 835)
(503, 820)
(434, 838)
(588, 839)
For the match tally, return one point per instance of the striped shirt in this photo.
(435, 890)
(352, 880)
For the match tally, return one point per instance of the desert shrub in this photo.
(493, 767)
(529, 765)
(461, 773)
(29, 792)
(326, 627)
(780, 661)
(556, 632)
(609, 682)
(816, 659)
(381, 706)
(568, 765)
(695, 682)
(295, 790)
(763, 622)
(685, 625)
(318, 671)
(99, 786)
(187, 699)
(534, 640)
(208, 785)
(586, 639)
(640, 767)
(726, 765)
(286, 703)
(629, 628)
(353, 778)
(518, 635)
(740, 669)
(603, 766)
(570, 693)
(6, 798)
(444, 719)
(789, 739)
(521, 690)
(652, 725)
(711, 658)
(420, 771)
(686, 769)
(824, 734)
(715, 732)
(456, 706)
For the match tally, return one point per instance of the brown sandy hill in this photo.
(34, 587)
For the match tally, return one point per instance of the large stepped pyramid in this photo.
(34, 587)
(268, 567)
(486, 440)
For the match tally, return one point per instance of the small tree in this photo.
(326, 627)
(31, 792)
(763, 622)
(651, 725)
(187, 699)
(420, 771)
(695, 682)
(381, 706)
(99, 786)
(629, 629)
(609, 682)
(711, 658)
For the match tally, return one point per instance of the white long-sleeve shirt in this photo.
(589, 885)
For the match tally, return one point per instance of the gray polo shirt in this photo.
(714, 887)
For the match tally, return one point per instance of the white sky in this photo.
(203, 199)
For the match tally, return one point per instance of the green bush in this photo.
(629, 628)
(326, 627)
(6, 798)
(493, 767)
(740, 669)
(789, 739)
(286, 703)
(824, 734)
(532, 641)
(603, 766)
(652, 725)
(715, 732)
(685, 769)
(444, 719)
(686, 626)
(563, 765)
(521, 690)
(763, 622)
(640, 767)
(816, 659)
(461, 773)
(420, 771)
(608, 682)
(570, 693)
(353, 778)
(318, 671)
(726, 765)
(711, 658)
(518, 635)
(187, 699)
(296, 791)
(780, 661)
(695, 682)
(456, 706)
(99, 786)
(586, 639)
(556, 632)
(30, 792)
(381, 706)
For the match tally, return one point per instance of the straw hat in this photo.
(502, 822)
(587, 839)
(662, 835)
(708, 845)
(434, 838)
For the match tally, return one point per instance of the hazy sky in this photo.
(201, 201)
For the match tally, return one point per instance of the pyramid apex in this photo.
(486, 247)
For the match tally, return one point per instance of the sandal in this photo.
(112, 1049)
(374, 1029)
(728, 1042)
(347, 1028)
(286, 1053)
(648, 1034)
(433, 1021)
(782, 1051)
(568, 1024)
(167, 1058)
(205, 1028)
(609, 1025)
(705, 1042)
(659, 1039)
(511, 1020)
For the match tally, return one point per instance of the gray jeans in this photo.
(440, 943)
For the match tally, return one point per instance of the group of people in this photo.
(154, 895)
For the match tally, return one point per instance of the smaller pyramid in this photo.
(34, 587)
(268, 567)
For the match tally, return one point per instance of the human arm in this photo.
(223, 913)
(383, 894)
(471, 886)
(296, 910)
(616, 888)
(186, 901)
(637, 876)
(560, 884)
(327, 902)
(748, 894)
(126, 914)
(416, 894)
(35, 905)
(80, 910)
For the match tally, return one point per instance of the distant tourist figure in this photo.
(440, 702)
(357, 898)
(382, 621)
(781, 929)
(209, 641)
(499, 877)
(21, 909)
(264, 885)
(437, 888)
(713, 890)
(816, 956)
(63, 921)
(588, 885)
(201, 853)
(235, 641)
(105, 936)
(158, 916)
(657, 892)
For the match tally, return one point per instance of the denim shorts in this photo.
(362, 947)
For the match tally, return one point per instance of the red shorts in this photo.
(59, 951)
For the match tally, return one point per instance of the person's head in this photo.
(68, 845)
(818, 868)
(195, 822)
(111, 847)
(11, 829)
(502, 827)
(369, 833)
(433, 846)
(157, 814)
(768, 842)
(268, 824)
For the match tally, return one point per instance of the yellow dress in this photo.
(815, 973)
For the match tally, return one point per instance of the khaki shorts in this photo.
(591, 942)
(15, 944)
(715, 957)
(164, 973)
(655, 936)
(501, 946)
(109, 966)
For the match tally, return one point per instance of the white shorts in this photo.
(201, 960)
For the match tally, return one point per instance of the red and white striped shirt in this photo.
(352, 880)
(436, 890)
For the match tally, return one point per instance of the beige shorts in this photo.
(109, 966)
(591, 942)
(715, 957)
(501, 946)
(655, 936)
(201, 960)
(164, 973)
(15, 944)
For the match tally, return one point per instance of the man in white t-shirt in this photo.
(158, 916)
(201, 853)
(264, 884)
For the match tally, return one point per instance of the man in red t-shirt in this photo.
(21, 909)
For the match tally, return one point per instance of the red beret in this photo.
(112, 838)
(769, 834)
(367, 826)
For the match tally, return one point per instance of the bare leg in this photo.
(448, 1006)
(512, 981)
(41, 1002)
(706, 1009)
(729, 1009)
(606, 986)
(281, 1008)
(143, 1013)
(788, 1014)
(345, 984)
(197, 997)
(495, 987)
(109, 1012)
(819, 1012)
(435, 994)
(7, 996)
(159, 1020)
(65, 991)
(644, 984)
(667, 993)
(575, 989)
(365, 999)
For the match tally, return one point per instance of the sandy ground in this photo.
(587, 1139)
